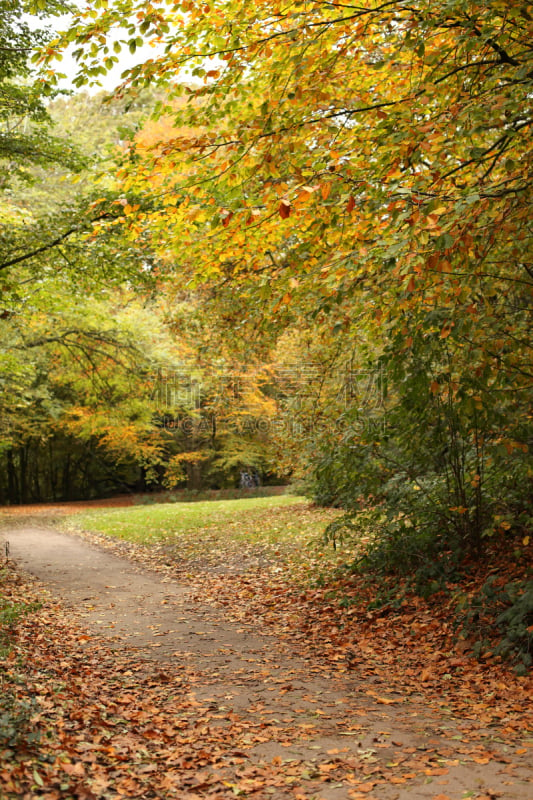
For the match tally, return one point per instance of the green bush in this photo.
(15, 720)
(504, 613)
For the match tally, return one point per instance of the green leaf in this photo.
(37, 778)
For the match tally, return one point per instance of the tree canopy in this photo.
(328, 151)
(362, 172)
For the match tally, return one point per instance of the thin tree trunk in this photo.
(23, 473)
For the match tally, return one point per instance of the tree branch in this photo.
(50, 245)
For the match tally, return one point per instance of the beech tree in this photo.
(327, 151)
(352, 167)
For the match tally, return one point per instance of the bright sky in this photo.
(69, 66)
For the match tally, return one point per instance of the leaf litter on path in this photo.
(245, 685)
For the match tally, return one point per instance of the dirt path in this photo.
(310, 717)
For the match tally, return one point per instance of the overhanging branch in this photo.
(51, 244)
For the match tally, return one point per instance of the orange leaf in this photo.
(351, 204)
(327, 767)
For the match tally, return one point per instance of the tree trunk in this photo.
(194, 476)
(23, 472)
(65, 481)
(12, 482)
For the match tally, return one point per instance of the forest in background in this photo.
(297, 242)
(104, 386)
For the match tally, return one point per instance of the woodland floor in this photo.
(139, 677)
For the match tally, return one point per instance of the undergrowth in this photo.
(500, 617)
(492, 592)
(15, 713)
(10, 612)
(15, 720)
(201, 495)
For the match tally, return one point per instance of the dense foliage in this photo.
(361, 174)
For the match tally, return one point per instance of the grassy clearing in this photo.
(285, 530)
(152, 523)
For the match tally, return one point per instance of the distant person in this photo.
(249, 480)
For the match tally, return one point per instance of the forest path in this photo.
(314, 733)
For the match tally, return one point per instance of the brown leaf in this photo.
(284, 209)
(75, 770)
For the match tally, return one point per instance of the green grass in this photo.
(284, 528)
(148, 524)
